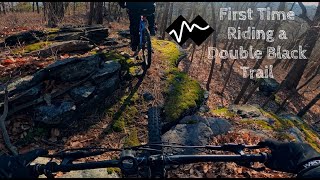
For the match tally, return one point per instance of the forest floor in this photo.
(100, 134)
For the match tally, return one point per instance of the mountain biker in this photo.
(135, 10)
(297, 158)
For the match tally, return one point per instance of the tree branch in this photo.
(303, 15)
(3, 117)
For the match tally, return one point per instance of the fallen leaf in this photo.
(75, 144)
(205, 168)
(7, 61)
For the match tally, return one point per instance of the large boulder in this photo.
(246, 111)
(55, 114)
(27, 37)
(195, 131)
(29, 95)
(69, 36)
(124, 33)
(81, 93)
(22, 84)
(97, 35)
(73, 68)
(268, 86)
(108, 69)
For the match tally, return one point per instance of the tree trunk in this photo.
(228, 77)
(304, 110)
(214, 42)
(96, 13)
(3, 8)
(74, 8)
(37, 5)
(170, 12)
(99, 12)
(91, 13)
(55, 13)
(294, 76)
(32, 6)
(164, 20)
(12, 8)
(45, 10)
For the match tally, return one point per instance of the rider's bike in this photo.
(147, 161)
(145, 41)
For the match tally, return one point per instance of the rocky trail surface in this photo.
(87, 91)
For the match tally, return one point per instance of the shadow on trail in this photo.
(126, 103)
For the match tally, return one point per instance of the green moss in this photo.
(135, 70)
(279, 123)
(262, 123)
(127, 101)
(113, 55)
(132, 139)
(224, 112)
(282, 124)
(311, 136)
(284, 136)
(168, 50)
(127, 116)
(183, 93)
(32, 47)
(51, 30)
(277, 99)
(118, 125)
(112, 170)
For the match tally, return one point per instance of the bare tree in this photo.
(96, 13)
(37, 6)
(3, 7)
(164, 20)
(214, 42)
(294, 76)
(55, 13)
(74, 8)
(304, 110)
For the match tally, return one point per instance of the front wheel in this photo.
(154, 137)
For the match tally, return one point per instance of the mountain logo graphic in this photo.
(181, 30)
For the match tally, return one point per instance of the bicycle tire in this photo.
(154, 136)
(154, 126)
(147, 39)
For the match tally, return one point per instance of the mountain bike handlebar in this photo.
(129, 164)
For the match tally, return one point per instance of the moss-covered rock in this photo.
(223, 112)
(262, 123)
(168, 50)
(32, 47)
(182, 95)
